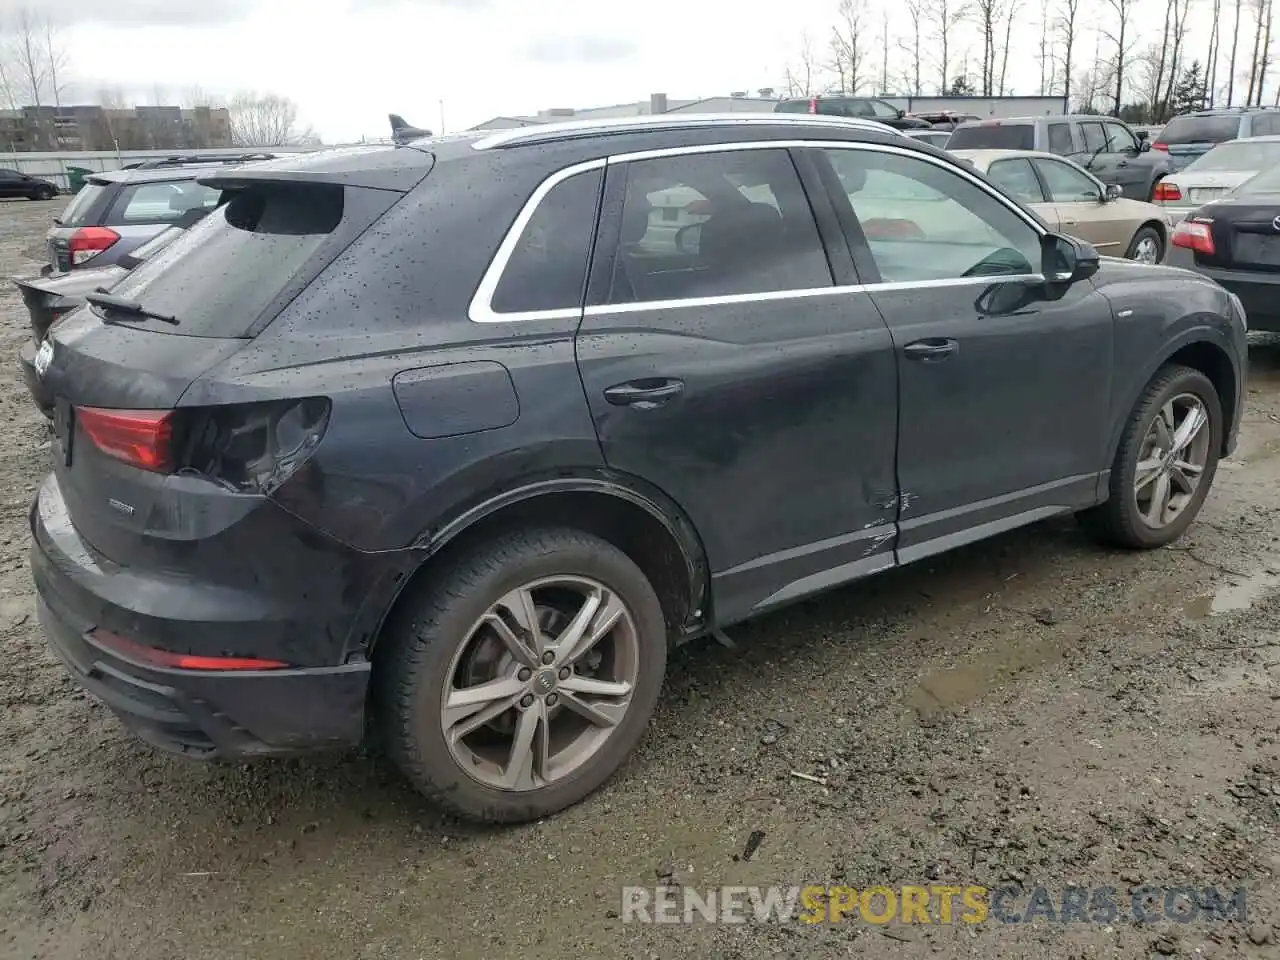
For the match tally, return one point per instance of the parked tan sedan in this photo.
(1072, 200)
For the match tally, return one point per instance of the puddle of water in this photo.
(949, 689)
(1238, 595)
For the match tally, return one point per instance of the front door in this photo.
(1004, 392)
(723, 364)
(1081, 210)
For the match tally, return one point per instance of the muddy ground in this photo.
(1031, 710)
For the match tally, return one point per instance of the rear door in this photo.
(728, 366)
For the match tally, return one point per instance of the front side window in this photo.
(715, 224)
(1016, 178)
(923, 221)
(882, 110)
(1060, 139)
(1066, 184)
(548, 267)
(1120, 139)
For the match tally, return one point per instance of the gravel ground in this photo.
(1031, 710)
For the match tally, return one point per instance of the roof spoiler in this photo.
(403, 132)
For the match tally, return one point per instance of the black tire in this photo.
(1144, 233)
(1117, 521)
(418, 645)
(44, 193)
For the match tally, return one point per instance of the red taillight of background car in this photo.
(1192, 235)
(141, 438)
(87, 242)
(1164, 147)
(1166, 191)
(813, 105)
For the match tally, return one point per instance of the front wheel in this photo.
(1165, 463)
(1147, 246)
(516, 681)
(44, 193)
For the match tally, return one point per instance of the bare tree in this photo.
(848, 46)
(1046, 50)
(266, 120)
(944, 16)
(802, 78)
(1211, 62)
(988, 14)
(1261, 51)
(1068, 30)
(55, 57)
(884, 62)
(1122, 37)
(1235, 44)
(1181, 10)
(1009, 14)
(917, 13)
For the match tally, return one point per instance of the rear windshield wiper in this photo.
(101, 298)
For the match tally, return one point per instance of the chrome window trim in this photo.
(481, 308)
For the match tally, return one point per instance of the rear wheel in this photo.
(1147, 246)
(44, 193)
(514, 683)
(1165, 464)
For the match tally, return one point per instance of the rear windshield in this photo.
(1268, 181)
(1239, 155)
(164, 202)
(78, 209)
(222, 274)
(993, 136)
(1200, 130)
(792, 106)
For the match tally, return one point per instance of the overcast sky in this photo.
(349, 62)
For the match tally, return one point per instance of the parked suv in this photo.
(448, 442)
(1192, 135)
(115, 212)
(1104, 146)
(865, 108)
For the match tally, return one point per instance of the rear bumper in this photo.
(1259, 292)
(199, 713)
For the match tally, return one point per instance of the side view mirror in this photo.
(1144, 145)
(1067, 260)
(1114, 192)
(901, 113)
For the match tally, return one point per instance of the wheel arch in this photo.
(1199, 348)
(637, 518)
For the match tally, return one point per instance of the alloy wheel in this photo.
(1172, 461)
(540, 683)
(1147, 251)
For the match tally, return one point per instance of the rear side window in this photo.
(85, 200)
(1200, 130)
(1060, 139)
(1265, 124)
(548, 267)
(993, 136)
(164, 202)
(715, 224)
(219, 277)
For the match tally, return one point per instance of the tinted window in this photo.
(10, 175)
(882, 110)
(78, 209)
(1200, 129)
(548, 268)
(1060, 139)
(1066, 184)
(792, 106)
(160, 202)
(1121, 139)
(715, 224)
(993, 136)
(1016, 178)
(1264, 124)
(220, 276)
(923, 221)
(1239, 155)
(1094, 139)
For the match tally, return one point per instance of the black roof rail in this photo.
(182, 160)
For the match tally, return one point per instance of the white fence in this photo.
(55, 166)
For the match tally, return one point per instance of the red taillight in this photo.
(138, 437)
(87, 242)
(1160, 146)
(1166, 191)
(813, 105)
(180, 661)
(1194, 236)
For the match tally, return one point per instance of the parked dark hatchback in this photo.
(448, 442)
(861, 108)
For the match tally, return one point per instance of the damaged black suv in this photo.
(442, 444)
